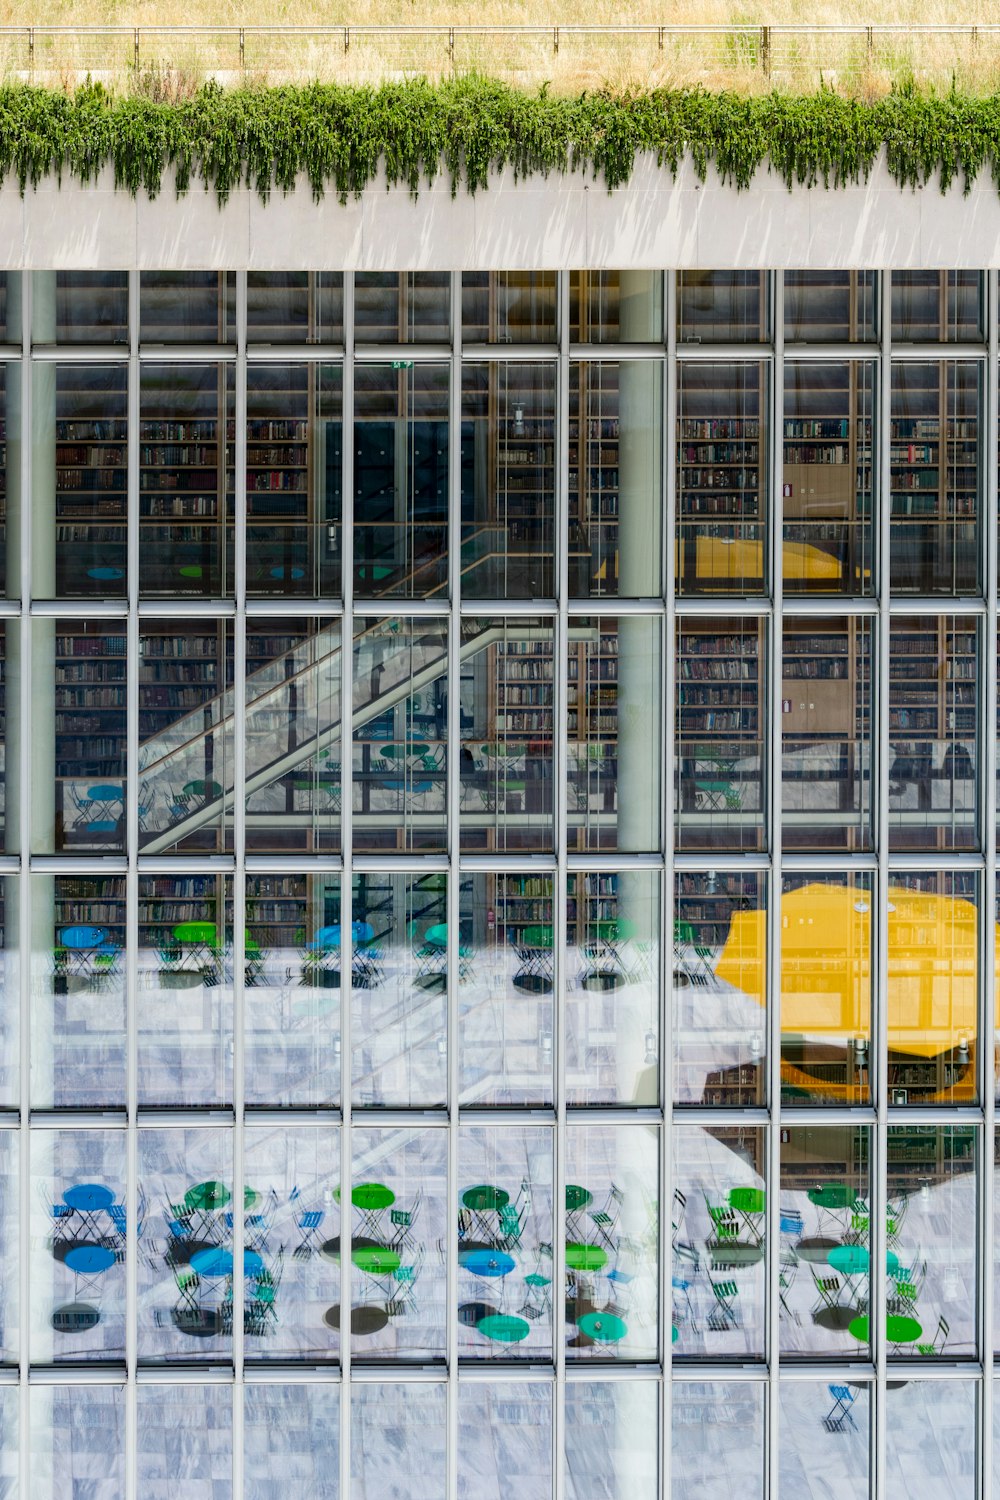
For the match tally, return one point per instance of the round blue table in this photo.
(488, 1262)
(89, 1259)
(89, 1197)
(82, 937)
(329, 937)
(855, 1260)
(215, 1261)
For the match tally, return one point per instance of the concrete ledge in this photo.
(555, 223)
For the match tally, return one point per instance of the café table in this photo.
(834, 1202)
(749, 1203)
(602, 1327)
(586, 1257)
(87, 1200)
(853, 1262)
(577, 1199)
(371, 1199)
(216, 1261)
(504, 1328)
(485, 1203)
(534, 953)
(899, 1330)
(488, 1263)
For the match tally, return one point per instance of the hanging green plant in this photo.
(339, 138)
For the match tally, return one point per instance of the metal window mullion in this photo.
(560, 672)
(668, 763)
(132, 903)
(878, 1042)
(239, 877)
(24, 915)
(346, 913)
(772, 967)
(987, 1017)
(453, 912)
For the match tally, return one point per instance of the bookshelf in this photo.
(165, 901)
(718, 730)
(89, 730)
(91, 307)
(930, 307)
(935, 476)
(91, 478)
(509, 307)
(728, 307)
(295, 307)
(830, 307)
(402, 307)
(593, 476)
(187, 307)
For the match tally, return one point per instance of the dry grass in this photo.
(172, 64)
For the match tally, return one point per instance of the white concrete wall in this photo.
(558, 223)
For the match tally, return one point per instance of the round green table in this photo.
(483, 1198)
(206, 1196)
(504, 1328)
(378, 1260)
(537, 936)
(251, 1198)
(855, 1260)
(196, 932)
(577, 1198)
(202, 788)
(898, 1329)
(586, 1257)
(372, 1196)
(835, 1195)
(602, 1327)
(747, 1200)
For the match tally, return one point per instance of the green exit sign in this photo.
(402, 364)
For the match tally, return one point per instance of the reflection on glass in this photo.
(615, 478)
(295, 307)
(506, 969)
(830, 307)
(400, 733)
(827, 477)
(80, 307)
(723, 307)
(610, 307)
(716, 1460)
(614, 724)
(936, 477)
(719, 1020)
(291, 1433)
(187, 307)
(398, 1432)
(826, 727)
(187, 435)
(508, 480)
(612, 1441)
(80, 503)
(825, 1286)
(84, 718)
(185, 1266)
(612, 1242)
(10, 1444)
(825, 1436)
(930, 307)
(401, 952)
(826, 975)
(717, 1237)
(186, 765)
(401, 307)
(77, 1432)
(291, 1254)
(505, 1440)
(506, 718)
(10, 1319)
(78, 991)
(400, 480)
(612, 1028)
(10, 485)
(504, 1210)
(79, 1231)
(933, 732)
(931, 1226)
(931, 1439)
(292, 989)
(10, 1007)
(293, 728)
(10, 306)
(509, 307)
(294, 479)
(184, 1005)
(719, 729)
(721, 478)
(399, 1221)
(185, 1446)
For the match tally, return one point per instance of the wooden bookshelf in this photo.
(593, 479)
(89, 729)
(721, 480)
(91, 480)
(830, 307)
(931, 307)
(402, 307)
(509, 307)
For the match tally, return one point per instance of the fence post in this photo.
(347, 38)
(555, 38)
(451, 46)
(135, 52)
(243, 43)
(31, 54)
(765, 50)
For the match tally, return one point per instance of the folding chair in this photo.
(679, 1284)
(308, 1224)
(840, 1412)
(828, 1292)
(725, 1314)
(510, 1226)
(787, 1270)
(677, 1217)
(936, 1346)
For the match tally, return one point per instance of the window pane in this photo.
(508, 480)
(79, 1234)
(294, 479)
(185, 1445)
(828, 478)
(830, 307)
(931, 1439)
(77, 1435)
(719, 728)
(720, 1023)
(612, 1441)
(933, 732)
(85, 407)
(615, 478)
(10, 736)
(613, 984)
(713, 1460)
(930, 307)
(184, 1008)
(826, 728)
(615, 306)
(936, 477)
(291, 1435)
(398, 1438)
(10, 474)
(505, 1242)
(721, 478)
(509, 307)
(405, 307)
(295, 307)
(187, 307)
(718, 1212)
(10, 306)
(825, 1430)
(504, 1440)
(612, 1241)
(931, 1226)
(80, 307)
(84, 722)
(186, 479)
(723, 307)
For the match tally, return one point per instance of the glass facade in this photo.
(369, 722)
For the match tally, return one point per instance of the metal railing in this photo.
(776, 55)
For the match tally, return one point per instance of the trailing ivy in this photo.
(340, 137)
